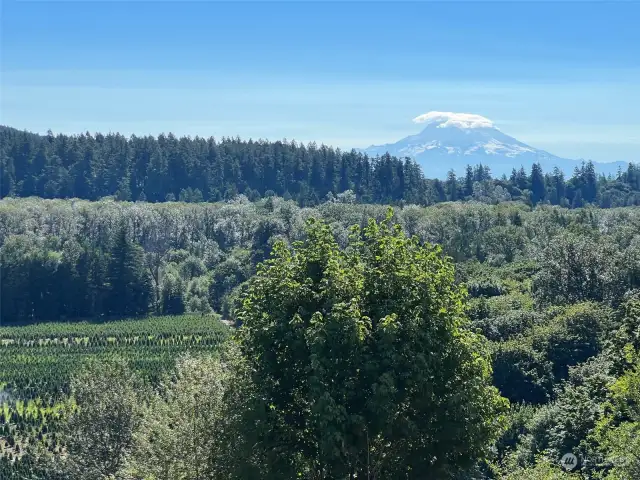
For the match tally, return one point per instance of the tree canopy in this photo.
(363, 360)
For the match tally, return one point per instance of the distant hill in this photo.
(455, 140)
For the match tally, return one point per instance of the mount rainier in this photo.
(451, 141)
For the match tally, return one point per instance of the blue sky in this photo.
(561, 76)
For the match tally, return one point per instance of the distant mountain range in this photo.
(455, 140)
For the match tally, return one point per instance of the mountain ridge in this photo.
(451, 141)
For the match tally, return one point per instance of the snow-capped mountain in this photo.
(455, 140)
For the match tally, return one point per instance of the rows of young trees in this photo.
(38, 360)
(167, 168)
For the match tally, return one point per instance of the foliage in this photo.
(99, 430)
(578, 268)
(182, 423)
(543, 469)
(521, 373)
(191, 170)
(363, 359)
(554, 290)
(39, 360)
(60, 258)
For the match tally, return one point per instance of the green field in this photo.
(38, 361)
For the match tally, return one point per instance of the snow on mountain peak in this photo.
(451, 141)
(450, 119)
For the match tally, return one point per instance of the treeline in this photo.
(167, 168)
(66, 259)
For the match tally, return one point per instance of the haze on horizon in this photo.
(566, 80)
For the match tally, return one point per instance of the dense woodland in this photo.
(166, 168)
(544, 299)
(70, 259)
(482, 338)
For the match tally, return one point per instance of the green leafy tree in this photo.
(576, 268)
(182, 424)
(543, 469)
(617, 435)
(197, 296)
(362, 361)
(521, 373)
(575, 335)
(99, 431)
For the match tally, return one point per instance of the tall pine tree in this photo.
(129, 286)
(537, 184)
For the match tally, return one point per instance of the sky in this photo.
(563, 76)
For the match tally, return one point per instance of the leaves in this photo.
(344, 336)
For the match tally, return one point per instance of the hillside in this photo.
(451, 141)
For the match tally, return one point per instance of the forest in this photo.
(273, 310)
(167, 168)
(545, 299)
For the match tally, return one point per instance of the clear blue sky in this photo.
(562, 76)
